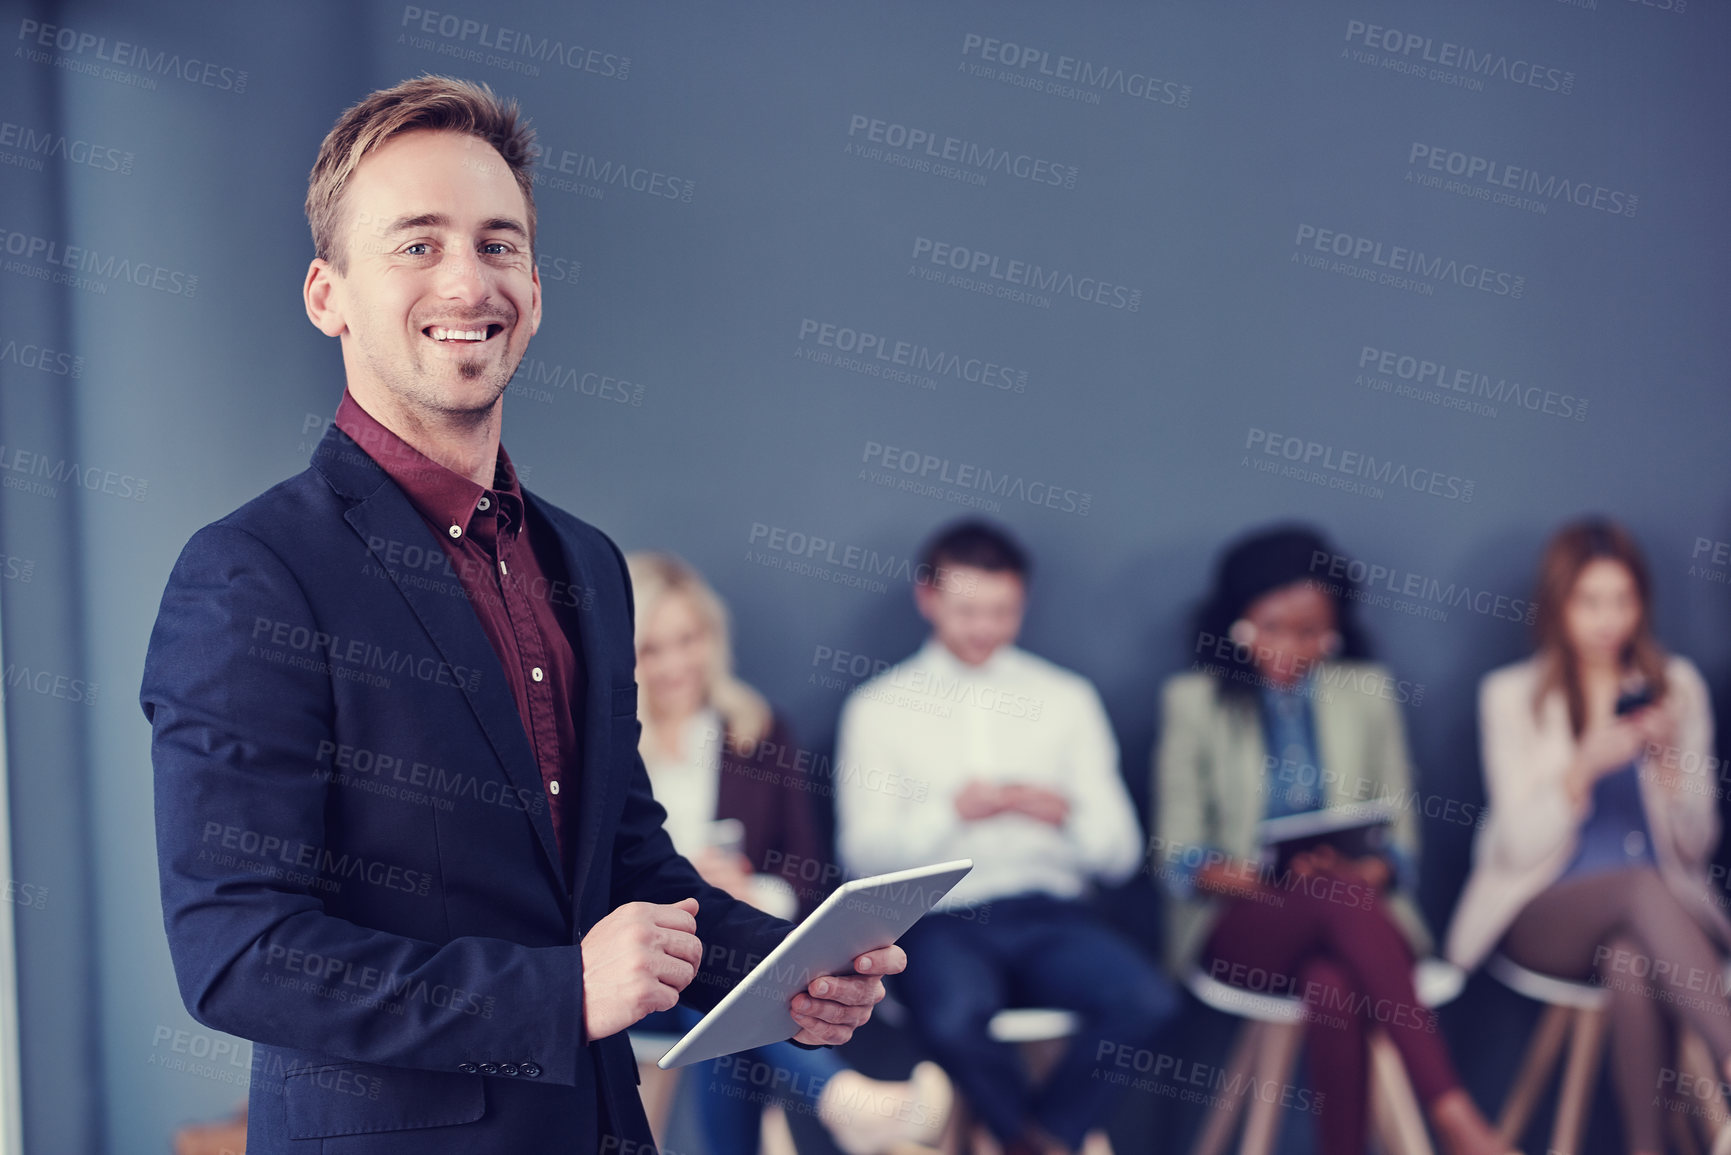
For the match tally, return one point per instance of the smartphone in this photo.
(1631, 700)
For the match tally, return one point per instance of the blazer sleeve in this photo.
(1531, 814)
(1687, 771)
(1183, 829)
(254, 954)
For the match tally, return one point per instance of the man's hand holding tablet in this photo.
(832, 1006)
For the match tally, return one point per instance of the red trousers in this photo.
(1333, 944)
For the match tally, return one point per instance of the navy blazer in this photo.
(358, 869)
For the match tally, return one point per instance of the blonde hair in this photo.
(655, 577)
(426, 102)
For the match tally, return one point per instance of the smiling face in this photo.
(674, 657)
(1294, 625)
(440, 295)
(973, 611)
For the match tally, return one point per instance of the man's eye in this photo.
(423, 246)
(496, 248)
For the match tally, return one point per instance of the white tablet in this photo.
(860, 916)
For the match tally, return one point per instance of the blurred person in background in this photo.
(1604, 816)
(975, 748)
(741, 807)
(1284, 716)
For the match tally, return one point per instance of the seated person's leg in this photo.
(953, 986)
(1073, 961)
(1336, 1053)
(1639, 1043)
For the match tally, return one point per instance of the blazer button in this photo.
(533, 1070)
(507, 1068)
(489, 1068)
(468, 1068)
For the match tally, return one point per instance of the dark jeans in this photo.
(1030, 951)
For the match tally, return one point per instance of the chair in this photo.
(1267, 1047)
(1575, 1012)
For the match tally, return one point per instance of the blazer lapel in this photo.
(382, 513)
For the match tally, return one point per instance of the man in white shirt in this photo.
(1012, 763)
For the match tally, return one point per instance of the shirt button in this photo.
(484, 503)
(537, 674)
(553, 786)
(456, 531)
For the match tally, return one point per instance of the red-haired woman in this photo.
(1603, 816)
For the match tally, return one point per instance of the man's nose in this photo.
(463, 277)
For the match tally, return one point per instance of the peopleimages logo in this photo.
(1521, 187)
(1350, 469)
(464, 38)
(81, 260)
(910, 355)
(921, 148)
(1417, 50)
(1006, 276)
(1425, 374)
(121, 54)
(1071, 75)
(1398, 264)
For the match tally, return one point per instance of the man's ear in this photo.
(323, 296)
(925, 599)
(535, 297)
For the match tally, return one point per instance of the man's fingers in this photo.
(817, 1033)
(680, 945)
(829, 1011)
(888, 960)
(849, 991)
(682, 915)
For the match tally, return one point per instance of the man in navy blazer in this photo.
(405, 840)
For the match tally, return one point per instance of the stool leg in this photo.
(1693, 1058)
(1586, 1046)
(1279, 1058)
(1223, 1116)
(1535, 1072)
(1397, 1118)
(958, 1136)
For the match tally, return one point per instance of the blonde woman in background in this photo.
(1593, 863)
(741, 808)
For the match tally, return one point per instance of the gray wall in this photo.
(737, 440)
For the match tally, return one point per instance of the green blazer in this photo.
(1210, 782)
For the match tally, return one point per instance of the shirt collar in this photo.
(935, 653)
(444, 497)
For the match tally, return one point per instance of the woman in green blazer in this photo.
(1278, 717)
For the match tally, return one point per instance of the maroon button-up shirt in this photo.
(515, 577)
